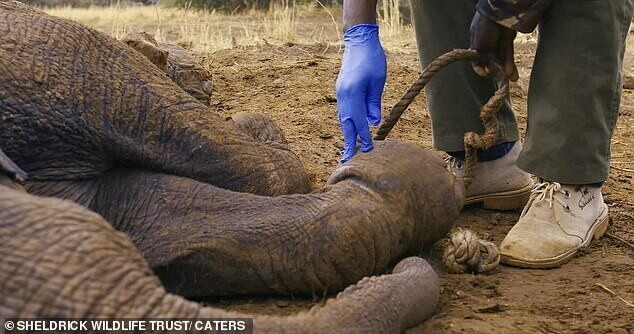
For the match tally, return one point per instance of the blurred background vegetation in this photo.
(230, 5)
(210, 25)
(222, 5)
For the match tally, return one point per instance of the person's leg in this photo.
(454, 98)
(573, 105)
(575, 90)
(456, 94)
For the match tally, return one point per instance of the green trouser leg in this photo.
(575, 90)
(456, 94)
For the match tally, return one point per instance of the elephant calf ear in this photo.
(11, 169)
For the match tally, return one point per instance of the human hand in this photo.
(493, 42)
(360, 86)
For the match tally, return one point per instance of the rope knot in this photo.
(466, 252)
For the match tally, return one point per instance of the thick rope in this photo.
(467, 253)
(472, 140)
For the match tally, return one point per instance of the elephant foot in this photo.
(259, 127)
(389, 303)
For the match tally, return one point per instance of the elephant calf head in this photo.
(378, 207)
(179, 65)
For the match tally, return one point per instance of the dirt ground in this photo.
(294, 84)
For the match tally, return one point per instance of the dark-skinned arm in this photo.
(358, 12)
(518, 15)
(494, 27)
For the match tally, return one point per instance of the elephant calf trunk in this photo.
(388, 303)
(381, 304)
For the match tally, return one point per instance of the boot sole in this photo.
(595, 232)
(508, 200)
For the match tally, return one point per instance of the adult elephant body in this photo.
(95, 122)
(85, 104)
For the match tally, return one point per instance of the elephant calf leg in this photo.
(259, 126)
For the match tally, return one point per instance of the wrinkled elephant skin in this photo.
(59, 260)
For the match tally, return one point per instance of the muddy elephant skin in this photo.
(59, 260)
(187, 72)
(84, 104)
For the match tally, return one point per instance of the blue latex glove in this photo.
(360, 86)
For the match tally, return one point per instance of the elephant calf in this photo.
(59, 260)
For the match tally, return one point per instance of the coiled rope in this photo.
(472, 140)
(467, 253)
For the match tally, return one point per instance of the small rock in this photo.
(331, 99)
(282, 303)
(278, 83)
(495, 308)
(325, 136)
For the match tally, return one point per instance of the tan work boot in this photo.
(499, 184)
(557, 221)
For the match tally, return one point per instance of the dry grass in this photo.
(208, 31)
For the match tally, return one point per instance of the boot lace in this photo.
(545, 191)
